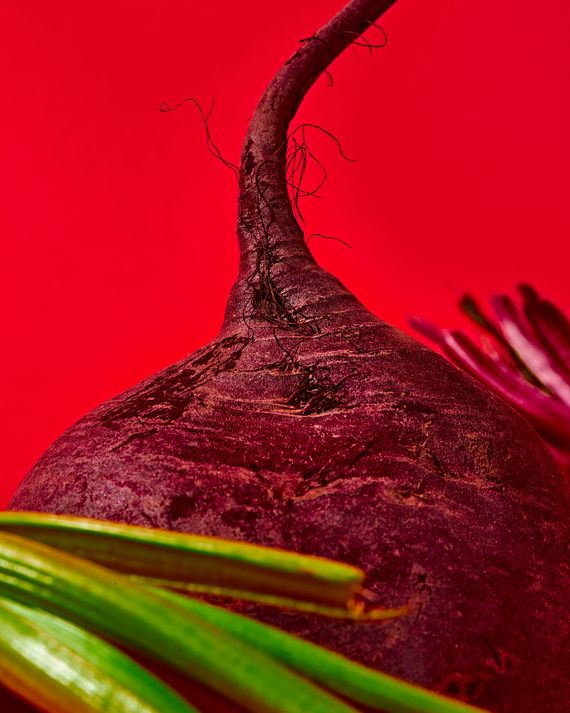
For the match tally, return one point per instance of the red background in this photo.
(118, 226)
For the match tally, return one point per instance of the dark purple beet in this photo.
(310, 424)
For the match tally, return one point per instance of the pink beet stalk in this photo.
(531, 369)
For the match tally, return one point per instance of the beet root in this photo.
(310, 424)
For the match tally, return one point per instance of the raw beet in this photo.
(310, 424)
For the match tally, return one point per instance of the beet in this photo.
(310, 424)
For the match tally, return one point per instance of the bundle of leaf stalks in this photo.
(524, 357)
(88, 617)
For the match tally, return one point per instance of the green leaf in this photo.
(129, 615)
(57, 666)
(352, 612)
(206, 564)
(352, 680)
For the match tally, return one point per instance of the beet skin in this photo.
(310, 424)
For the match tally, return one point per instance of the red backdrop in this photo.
(118, 226)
